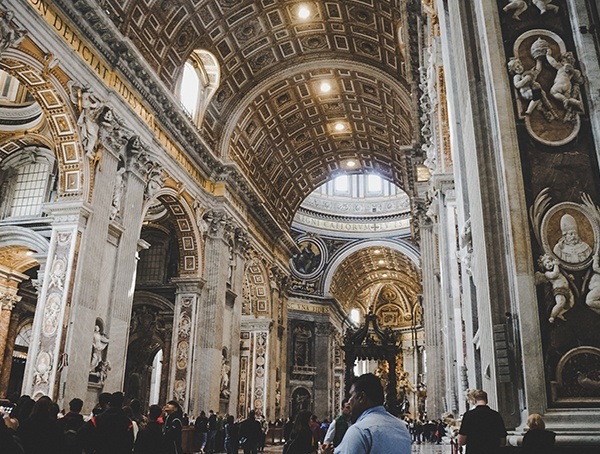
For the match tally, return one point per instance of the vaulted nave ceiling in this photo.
(268, 114)
(374, 265)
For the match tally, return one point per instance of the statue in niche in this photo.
(118, 192)
(566, 83)
(562, 294)
(10, 35)
(570, 247)
(302, 350)
(225, 369)
(517, 6)
(592, 299)
(99, 344)
(100, 372)
(529, 89)
(87, 120)
(466, 243)
(545, 5)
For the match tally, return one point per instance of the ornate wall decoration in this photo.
(569, 277)
(182, 337)
(547, 87)
(311, 258)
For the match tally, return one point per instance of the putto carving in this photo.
(10, 34)
(518, 7)
(563, 296)
(550, 90)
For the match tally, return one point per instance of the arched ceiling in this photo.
(374, 265)
(268, 115)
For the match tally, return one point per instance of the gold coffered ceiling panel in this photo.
(366, 267)
(268, 115)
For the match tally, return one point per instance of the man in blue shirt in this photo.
(374, 431)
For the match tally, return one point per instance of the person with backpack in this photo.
(68, 427)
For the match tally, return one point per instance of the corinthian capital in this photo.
(8, 300)
(220, 224)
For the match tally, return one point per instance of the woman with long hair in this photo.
(301, 440)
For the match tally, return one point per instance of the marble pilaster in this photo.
(11, 336)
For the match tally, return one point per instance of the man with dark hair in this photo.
(150, 437)
(338, 427)
(374, 431)
(249, 433)
(114, 429)
(172, 428)
(212, 432)
(68, 427)
(482, 429)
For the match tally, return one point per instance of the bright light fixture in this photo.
(384, 275)
(377, 251)
(325, 87)
(351, 164)
(381, 262)
(303, 12)
(339, 126)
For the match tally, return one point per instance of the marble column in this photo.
(210, 315)
(254, 364)
(323, 334)
(432, 320)
(187, 297)
(11, 336)
(46, 353)
(9, 281)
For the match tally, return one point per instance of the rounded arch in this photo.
(207, 77)
(257, 292)
(183, 221)
(20, 236)
(62, 123)
(400, 246)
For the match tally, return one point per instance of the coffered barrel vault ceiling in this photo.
(268, 115)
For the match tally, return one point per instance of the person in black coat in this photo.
(39, 433)
(232, 439)
(301, 439)
(250, 430)
(538, 440)
(172, 428)
(68, 426)
(113, 428)
(150, 437)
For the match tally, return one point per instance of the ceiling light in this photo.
(303, 12)
(384, 275)
(381, 262)
(325, 87)
(377, 251)
(351, 164)
(339, 126)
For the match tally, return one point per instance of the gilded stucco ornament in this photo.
(547, 87)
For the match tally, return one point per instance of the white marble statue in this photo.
(115, 209)
(517, 7)
(592, 299)
(563, 296)
(529, 89)
(566, 82)
(10, 35)
(99, 344)
(545, 5)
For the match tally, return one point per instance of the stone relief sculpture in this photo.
(592, 299)
(466, 245)
(87, 121)
(517, 7)
(545, 5)
(10, 35)
(570, 247)
(550, 89)
(119, 190)
(225, 370)
(529, 89)
(563, 296)
(566, 83)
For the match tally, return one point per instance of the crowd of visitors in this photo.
(363, 426)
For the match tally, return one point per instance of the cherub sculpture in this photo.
(529, 89)
(563, 296)
(519, 6)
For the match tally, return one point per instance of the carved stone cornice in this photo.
(67, 212)
(250, 323)
(188, 284)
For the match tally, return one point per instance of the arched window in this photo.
(26, 181)
(200, 80)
